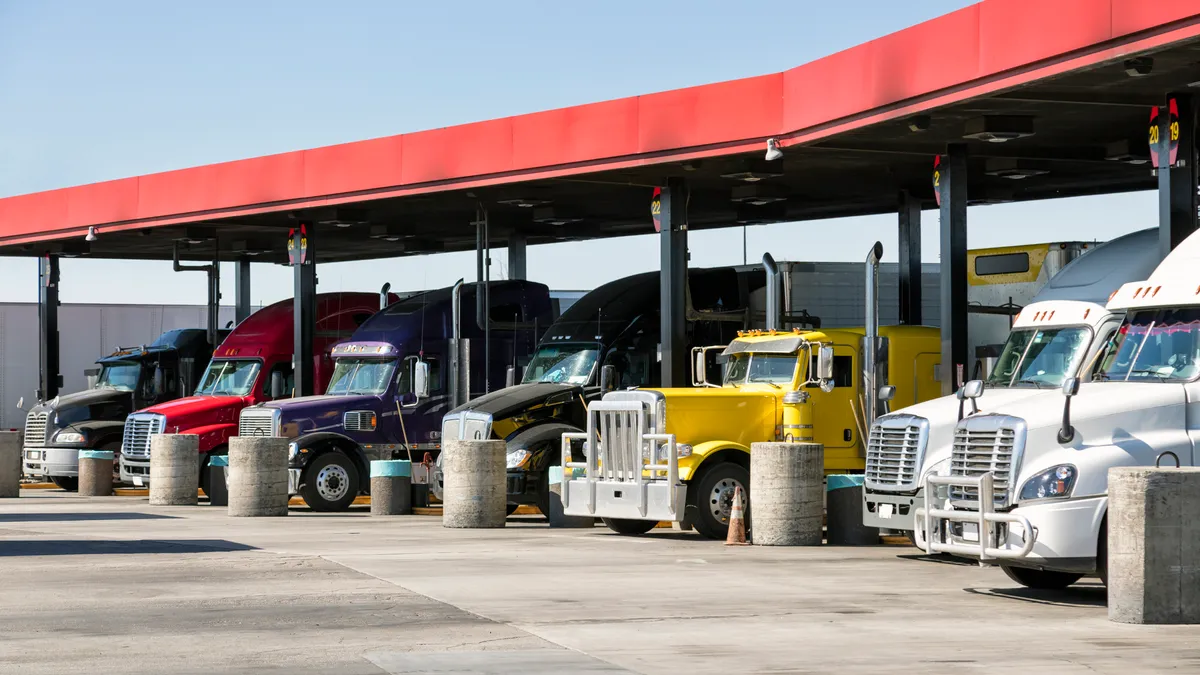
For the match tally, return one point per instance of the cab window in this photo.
(843, 370)
(404, 377)
(289, 381)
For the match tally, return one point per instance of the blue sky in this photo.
(95, 90)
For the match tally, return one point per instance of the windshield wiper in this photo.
(1039, 385)
(1147, 371)
(766, 382)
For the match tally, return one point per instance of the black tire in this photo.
(1102, 553)
(1041, 580)
(68, 483)
(627, 526)
(511, 508)
(714, 492)
(330, 482)
(543, 490)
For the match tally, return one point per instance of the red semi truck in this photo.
(252, 365)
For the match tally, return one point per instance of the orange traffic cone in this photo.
(737, 521)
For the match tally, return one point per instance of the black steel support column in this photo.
(241, 291)
(1177, 199)
(214, 295)
(516, 256)
(673, 282)
(910, 260)
(304, 312)
(50, 379)
(953, 186)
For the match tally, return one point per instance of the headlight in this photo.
(68, 437)
(683, 450)
(517, 458)
(1050, 484)
(293, 450)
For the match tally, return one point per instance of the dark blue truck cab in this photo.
(392, 383)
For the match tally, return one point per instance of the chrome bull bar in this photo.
(986, 519)
(625, 475)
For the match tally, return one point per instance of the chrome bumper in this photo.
(891, 511)
(134, 471)
(47, 462)
(293, 481)
(983, 534)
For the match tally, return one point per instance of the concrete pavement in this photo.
(116, 585)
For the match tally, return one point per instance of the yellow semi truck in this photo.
(678, 454)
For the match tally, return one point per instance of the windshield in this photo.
(1157, 345)
(562, 363)
(1040, 357)
(746, 368)
(229, 378)
(360, 376)
(123, 376)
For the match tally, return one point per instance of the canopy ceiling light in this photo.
(749, 214)
(754, 170)
(998, 128)
(524, 203)
(1012, 169)
(758, 194)
(1122, 151)
(341, 217)
(919, 123)
(547, 216)
(387, 232)
(1139, 66)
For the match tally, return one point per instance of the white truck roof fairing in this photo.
(1056, 313)
(1094, 276)
(1175, 282)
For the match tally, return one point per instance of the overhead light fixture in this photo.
(390, 233)
(693, 165)
(773, 150)
(758, 194)
(340, 216)
(1012, 169)
(919, 123)
(1122, 151)
(998, 128)
(749, 214)
(1139, 66)
(755, 170)
(524, 203)
(91, 235)
(547, 216)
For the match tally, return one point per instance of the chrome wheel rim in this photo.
(720, 500)
(332, 482)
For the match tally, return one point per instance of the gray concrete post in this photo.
(1154, 545)
(95, 473)
(787, 493)
(475, 484)
(556, 516)
(10, 463)
(258, 476)
(391, 487)
(174, 469)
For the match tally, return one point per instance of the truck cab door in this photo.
(834, 423)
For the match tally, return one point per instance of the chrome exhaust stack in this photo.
(772, 270)
(459, 353)
(870, 347)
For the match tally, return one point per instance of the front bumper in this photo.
(135, 471)
(522, 486)
(294, 481)
(50, 462)
(891, 511)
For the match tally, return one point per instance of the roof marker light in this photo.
(1088, 311)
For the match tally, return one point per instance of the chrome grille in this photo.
(139, 427)
(259, 422)
(895, 450)
(466, 425)
(984, 443)
(35, 429)
(359, 420)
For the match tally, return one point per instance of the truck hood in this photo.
(301, 403)
(194, 411)
(308, 414)
(699, 415)
(86, 399)
(518, 398)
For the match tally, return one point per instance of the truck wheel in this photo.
(543, 491)
(629, 526)
(1102, 553)
(1042, 580)
(68, 483)
(330, 482)
(712, 497)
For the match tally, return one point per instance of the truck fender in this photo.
(330, 440)
(703, 453)
(543, 434)
(102, 432)
(211, 435)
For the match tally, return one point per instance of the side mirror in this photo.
(971, 390)
(607, 375)
(1070, 386)
(21, 403)
(421, 379)
(510, 376)
(1069, 389)
(699, 368)
(160, 382)
(825, 363)
(887, 392)
(93, 377)
(276, 384)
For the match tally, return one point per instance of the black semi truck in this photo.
(130, 379)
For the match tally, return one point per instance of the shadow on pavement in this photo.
(36, 547)
(86, 515)
(1087, 595)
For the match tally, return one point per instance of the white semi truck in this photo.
(1062, 329)
(1026, 483)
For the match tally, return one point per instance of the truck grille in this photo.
(895, 451)
(259, 422)
(466, 425)
(984, 443)
(139, 427)
(359, 420)
(35, 429)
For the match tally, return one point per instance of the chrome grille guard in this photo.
(988, 521)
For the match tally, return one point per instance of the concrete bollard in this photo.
(10, 464)
(96, 473)
(258, 476)
(1153, 554)
(174, 469)
(391, 487)
(556, 516)
(787, 490)
(475, 484)
(844, 509)
(218, 488)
